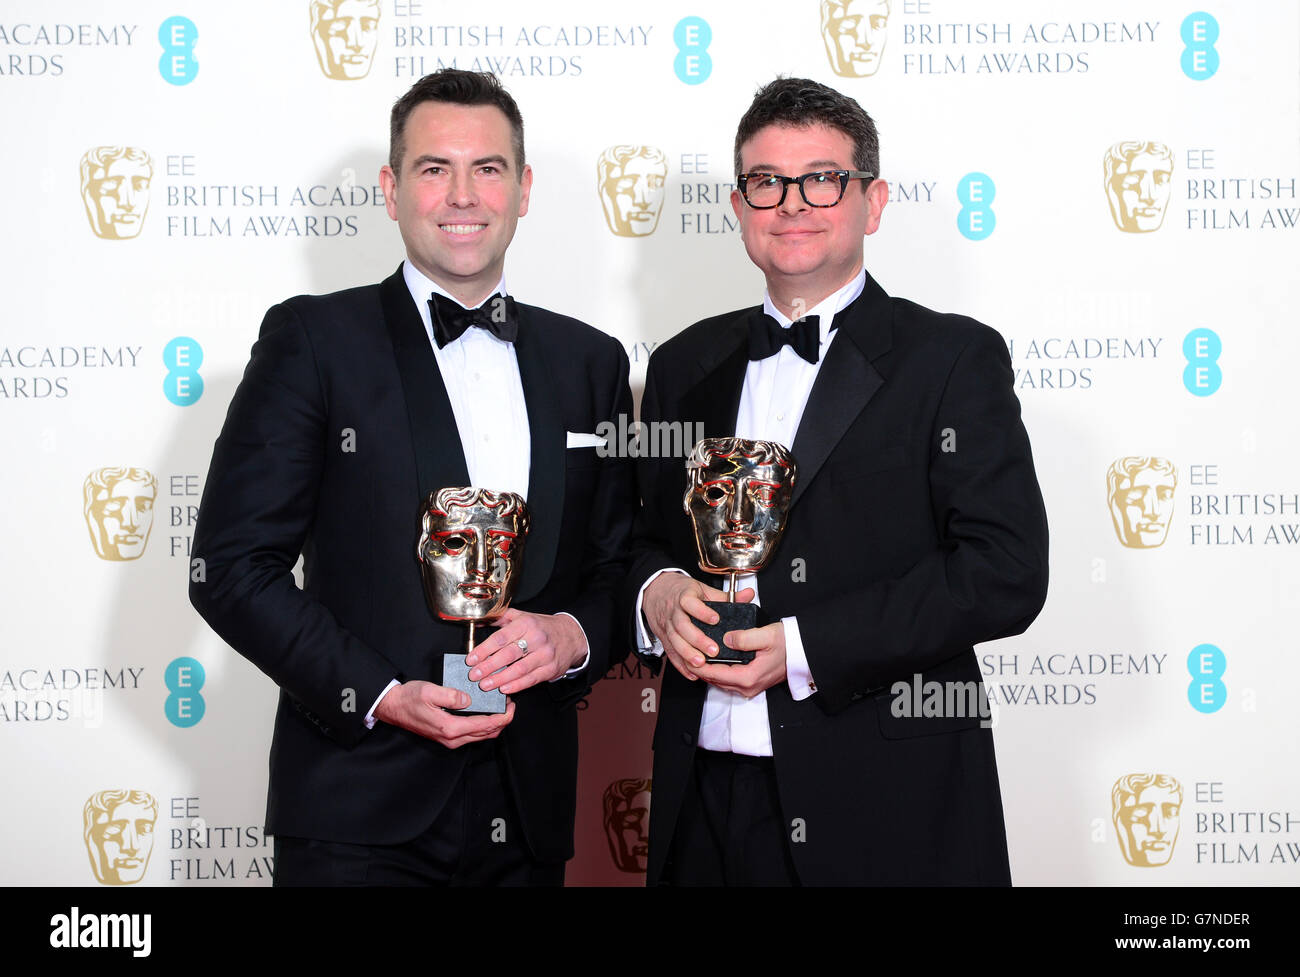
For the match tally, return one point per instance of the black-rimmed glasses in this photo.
(825, 188)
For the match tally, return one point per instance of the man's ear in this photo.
(388, 183)
(526, 187)
(877, 197)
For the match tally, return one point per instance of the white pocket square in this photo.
(583, 440)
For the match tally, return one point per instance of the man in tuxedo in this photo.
(916, 529)
(353, 408)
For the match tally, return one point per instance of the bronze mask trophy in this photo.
(738, 499)
(470, 550)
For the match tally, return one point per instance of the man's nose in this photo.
(641, 194)
(130, 516)
(1147, 189)
(126, 195)
(794, 202)
(460, 190)
(130, 840)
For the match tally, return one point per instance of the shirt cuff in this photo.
(647, 643)
(586, 659)
(370, 716)
(798, 675)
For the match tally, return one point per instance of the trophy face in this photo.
(470, 551)
(738, 498)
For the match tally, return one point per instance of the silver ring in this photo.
(523, 645)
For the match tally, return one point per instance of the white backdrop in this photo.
(261, 183)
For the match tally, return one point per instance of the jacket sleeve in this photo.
(258, 507)
(985, 578)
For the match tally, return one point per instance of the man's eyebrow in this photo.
(817, 164)
(420, 161)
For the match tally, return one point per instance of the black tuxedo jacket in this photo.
(917, 530)
(339, 428)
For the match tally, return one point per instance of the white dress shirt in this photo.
(481, 374)
(772, 403)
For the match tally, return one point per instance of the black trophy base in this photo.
(731, 617)
(455, 675)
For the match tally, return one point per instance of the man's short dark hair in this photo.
(459, 88)
(800, 102)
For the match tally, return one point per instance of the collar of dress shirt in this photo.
(420, 286)
(825, 309)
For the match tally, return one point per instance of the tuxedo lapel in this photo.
(714, 400)
(845, 383)
(435, 439)
(547, 446)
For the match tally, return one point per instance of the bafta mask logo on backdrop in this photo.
(119, 834)
(627, 823)
(1140, 492)
(854, 32)
(115, 189)
(345, 33)
(1146, 810)
(632, 181)
(1138, 180)
(119, 511)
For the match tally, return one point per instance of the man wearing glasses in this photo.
(917, 530)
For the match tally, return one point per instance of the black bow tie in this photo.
(497, 315)
(766, 337)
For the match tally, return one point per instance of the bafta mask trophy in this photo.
(470, 551)
(738, 498)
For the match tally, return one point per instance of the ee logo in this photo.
(1201, 349)
(183, 678)
(183, 357)
(177, 35)
(1199, 32)
(692, 35)
(1207, 693)
(976, 219)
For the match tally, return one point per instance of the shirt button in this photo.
(478, 376)
(780, 417)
